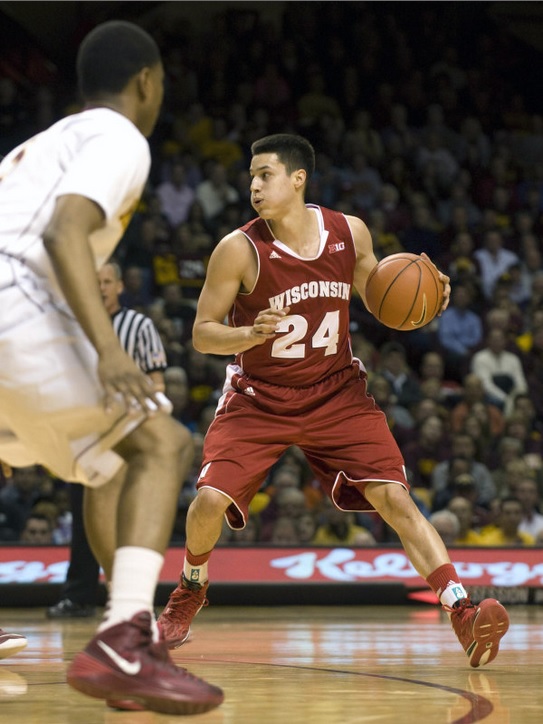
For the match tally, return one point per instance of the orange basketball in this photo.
(404, 291)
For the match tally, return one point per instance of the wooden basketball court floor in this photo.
(299, 665)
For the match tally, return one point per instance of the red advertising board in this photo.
(496, 567)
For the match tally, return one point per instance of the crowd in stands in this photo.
(424, 130)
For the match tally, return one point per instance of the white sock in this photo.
(453, 593)
(133, 584)
(195, 574)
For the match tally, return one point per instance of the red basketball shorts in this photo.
(343, 434)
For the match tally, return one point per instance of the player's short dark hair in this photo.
(292, 150)
(111, 55)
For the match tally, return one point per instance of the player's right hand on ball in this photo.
(266, 323)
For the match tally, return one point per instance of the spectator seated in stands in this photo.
(137, 292)
(215, 193)
(336, 527)
(175, 195)
(432, 367)
(500, 371)
(527, 492)
(307, 527)
(463, 509)
(459, 332)
(518, 427)
(37, 530)
(460, 265)
(49, 508)
(505, 531)
(447, 525)
(524, 405)
(394, 366)
(473, 394)
(289, 503)
(494, 260)
(463, 447)
(428, 449)
(24, 487)
(477, 427)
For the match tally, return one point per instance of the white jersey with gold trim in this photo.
(51, 399)
(97, 153)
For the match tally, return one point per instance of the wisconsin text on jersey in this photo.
(310, 290)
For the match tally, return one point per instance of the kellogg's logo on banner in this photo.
(343, 564)
(476, 566)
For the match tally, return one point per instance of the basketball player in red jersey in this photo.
(285, 280)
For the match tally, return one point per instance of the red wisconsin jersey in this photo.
(313, 340)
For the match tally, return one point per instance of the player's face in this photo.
(272, 189)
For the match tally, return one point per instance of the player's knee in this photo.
(173, 439)
(209, 502)
(391, 500)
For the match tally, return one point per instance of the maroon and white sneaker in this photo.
(128, 704)
(183, 605)
(123, 665)
(479, 628)
(11, 644)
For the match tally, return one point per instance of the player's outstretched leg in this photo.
(479, 628)
(183, 605)
(11, 644)
(123, 663)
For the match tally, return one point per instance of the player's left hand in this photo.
(446, 285)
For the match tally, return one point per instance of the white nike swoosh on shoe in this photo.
(128, 667)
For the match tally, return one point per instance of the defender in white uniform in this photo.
(70, 397)
(50, 394)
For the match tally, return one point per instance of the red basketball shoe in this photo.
(11, 644)
(123, 664)
(183, 605)
(479, 628)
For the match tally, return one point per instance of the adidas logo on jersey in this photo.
(250, 390)
(274, 255)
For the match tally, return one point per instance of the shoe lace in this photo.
(185, 603)
(461, 609)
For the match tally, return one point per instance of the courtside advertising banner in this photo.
(500, 567)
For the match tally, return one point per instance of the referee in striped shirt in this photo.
(136, 332)
(141, 340)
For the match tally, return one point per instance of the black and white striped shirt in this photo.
(140, 339)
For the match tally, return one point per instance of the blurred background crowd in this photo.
(427, 123)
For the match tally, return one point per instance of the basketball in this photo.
(404, 291)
